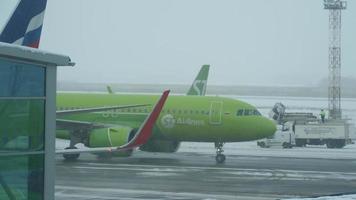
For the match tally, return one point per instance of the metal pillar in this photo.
(334, 7)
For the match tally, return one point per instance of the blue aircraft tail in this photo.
(25, 25)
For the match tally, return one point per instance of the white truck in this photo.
(308, 129)
(335, 133)
(283, 137)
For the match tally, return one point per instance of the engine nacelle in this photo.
(110, 137)
(165, 146)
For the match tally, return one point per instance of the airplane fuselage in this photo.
(184, 118)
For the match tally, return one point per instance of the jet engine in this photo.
(111, 137)
(165, 146)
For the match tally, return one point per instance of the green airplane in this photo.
(193, 118)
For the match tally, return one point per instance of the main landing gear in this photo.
(71, 156)
(220, 157)
(75, 138)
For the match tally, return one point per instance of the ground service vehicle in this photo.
(283, 137)
(308, 129)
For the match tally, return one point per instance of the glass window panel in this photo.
(246, 112)
(22, 125)
(240, 112)
(256, 112)
(20, 80)
(21, 177)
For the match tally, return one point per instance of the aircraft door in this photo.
(215, 115)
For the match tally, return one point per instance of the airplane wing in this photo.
(75, 125)
(82, 125)
(142, 136)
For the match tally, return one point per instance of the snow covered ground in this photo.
(343, 197)
(251, 149)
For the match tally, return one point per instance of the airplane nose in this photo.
(266, 128)
(262, 127)
(269, 127)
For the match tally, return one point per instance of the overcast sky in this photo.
(254, 42)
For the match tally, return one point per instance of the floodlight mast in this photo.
(334, 97)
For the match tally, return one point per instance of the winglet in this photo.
(198, 88)
(108, 88)
(145, 131)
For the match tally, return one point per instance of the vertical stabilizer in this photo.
(198, 87)
(25, 24)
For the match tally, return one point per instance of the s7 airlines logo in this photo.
(200, 86)
(169, 121)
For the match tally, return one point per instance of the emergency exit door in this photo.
(215, 112)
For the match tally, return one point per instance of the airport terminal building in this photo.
(27, 121)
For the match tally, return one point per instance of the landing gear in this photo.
(75, 138)
(220, 157)
(71, 157)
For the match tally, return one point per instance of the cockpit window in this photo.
(256, 112)
(248, 112)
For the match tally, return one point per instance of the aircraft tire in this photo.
(331, 144)
(300, 143)
(71, 157)
(287, 145)
(262, 144)
(335, 144)
(220, 158)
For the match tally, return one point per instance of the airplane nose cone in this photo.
(268, 128)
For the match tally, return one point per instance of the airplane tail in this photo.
(25, 24)
(198, 87)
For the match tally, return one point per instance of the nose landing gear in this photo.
(220, 157)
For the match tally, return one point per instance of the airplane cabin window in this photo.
(240, 112)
